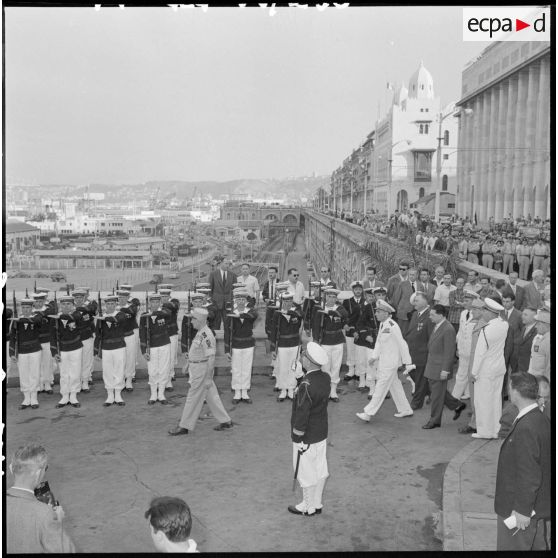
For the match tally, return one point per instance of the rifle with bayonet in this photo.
(148, 332)
(14, 321)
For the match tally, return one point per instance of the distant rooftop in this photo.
(14, 226)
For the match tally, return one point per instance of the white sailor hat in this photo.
(42, 290)
(203, 285)
(380, 290)
(197, 296)
(38, 296)
(413, 296)
(477, 303)
(165, 292)
(154, 296)
(383, 305)
(286, 296)
(26, 302)
(315, 283)
(79, 292)
(126, 287)
(203, 290)
(110, 298)
(121, 292)
(168, 286)
(66, 298)
(282, 286)
(369, 290)
(492, 305)
(240, 293)
(356, 284)
(316, 354)
(543, 315)
(331, 291)
(470, 294)
(199, 312)
(238, 285)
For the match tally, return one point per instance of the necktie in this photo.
(224, 276)
(414, 288)
(271, 290)
(468, 314)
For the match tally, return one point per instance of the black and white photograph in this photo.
(277, 278)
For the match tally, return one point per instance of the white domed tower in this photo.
(400, 95)
(421, 84)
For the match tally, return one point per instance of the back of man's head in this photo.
(28, 459)
(525, 385)
(171, 516)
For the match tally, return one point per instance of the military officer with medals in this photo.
(42, 308)
(188, 331)
(391, 351)
(202, 387)
(155, 347)
(366, 331)
(110, 348)
(209, 305)
(239, 345)
(172, 305)
(87, 332)
(25, 350)
(327, 331)
(285, 342)
(66, 348)
(309, 430)
(353, 306)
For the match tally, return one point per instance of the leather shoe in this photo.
(293, 509)
(120, 403)
(84, 390)
(236, 401)
(276, 389)
(348, 378)
(152, 402)
(107, 404)
(458, 410)
(35, 406)
(223, 426)
(249, 401)
(77, 404)
(60, 405)
(281, 399)
(163, 402)
(361, 389)
(178, 431)
(430, 426)
(467, 430)
(403, 415)
(169, 389)
(334, 399)
(22, 406)
(49, 391)
(318, 511)
(370, 397)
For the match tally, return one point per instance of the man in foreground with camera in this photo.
(33, 516)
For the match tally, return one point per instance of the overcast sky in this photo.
(127, 96)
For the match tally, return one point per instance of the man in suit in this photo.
(535, 289)
(513, 317)
(394, 280)
(32, 526)
(269, 293)
(541, 351)
(401, 300)
(523, 478)
(371, 281)
(353, 306)
(391, 351)
(221, 283)
(523, 341)
(439, 367)
(426, 286)
(309, 430)
(419, 331)
(325, 278)
(517, 290)
(488, 371)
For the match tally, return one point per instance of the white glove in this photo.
(301, 446)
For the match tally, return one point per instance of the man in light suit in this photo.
(426, 286)
(517, 290)
(391, 351)
(524, 474)
(534, 290)
(401, 300)
(221, 283)
(394, 280)
(32, 526)
(488, 371)
(439, 367)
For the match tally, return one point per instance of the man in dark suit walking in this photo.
(523, 479)
(523, 340)
(518, 291)
(513, 317)
(439, 367)
(401, 300)
(221, 283)
(417, 336)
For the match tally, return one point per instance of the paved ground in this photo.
(384, 492)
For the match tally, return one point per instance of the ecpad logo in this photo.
(506, 24)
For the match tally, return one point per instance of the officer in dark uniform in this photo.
(312, 300)
(309, 430)
(353, 306)
(365, 334)
(41, 306)
(172, 305)
(87, 332)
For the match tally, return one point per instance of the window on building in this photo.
(451, 205)
(421, 192)
(421, 110)
(423, 129)
(446, 156)
(426, 110)
(446, 137)
(423, 166)
(445, 183)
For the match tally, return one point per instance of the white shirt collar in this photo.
(525, 410)
(24, 489)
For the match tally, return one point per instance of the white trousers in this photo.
(70, 371)
(335, 354)
(29, 366)
(387, 380)
(130, 357)
(285, 373)
(488, 405)
(173, 355)
(87, 360)
(47, 364)
(158, 365)
(241, 367)
(113, 368)
(351, 356)
(136, 335)
(461, 387)
(313, 464)
(365, 371)
(202, 388)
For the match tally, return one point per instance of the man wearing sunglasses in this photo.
(296, 287)
(394, 280)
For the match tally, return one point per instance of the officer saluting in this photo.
(309, 430)
(202, 387)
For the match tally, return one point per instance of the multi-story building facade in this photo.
(504, 133)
